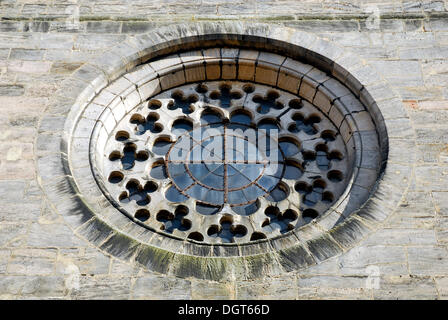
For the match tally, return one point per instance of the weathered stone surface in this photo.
(51, 235)
(405, 287)
(4, 260)
(100, 287)
(88, 261)
(403, 237)
(334, 294)
(285, 287)
(441, 202)
(160, 287)
(32, 261)
(25, 54)
(332, 282)
(212, 290)
(11, 90)
(388, 260)
(442, 287)
(13, 234)
(27, 287)
(428, 259)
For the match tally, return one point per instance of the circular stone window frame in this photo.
(63, 154)
(274, 72)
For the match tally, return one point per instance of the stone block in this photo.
(308, 89)
(428, 260)
(43, 287)
(154, 287)
(324, 281)
(288, 81)
(26, 54)
(102, 288)
(402, 237)
(246, 64)
(103, 27)
(32, 261)
(405, 287)
(207, 290)
(87, 260)
(4, 260)
(52, 235)
(442, 287)
(137, 27)
(284, 288)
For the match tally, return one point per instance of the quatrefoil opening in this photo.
(172, 221)
(138, 193)
(304, 124)
(182, 102)
(227, 230)
(225, 95)
(129, 156)
(143, 125)
(268, 102)
(279, 221)
(312, 194)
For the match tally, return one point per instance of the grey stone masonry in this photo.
(396, 247)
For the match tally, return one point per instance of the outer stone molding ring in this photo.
(140, 91)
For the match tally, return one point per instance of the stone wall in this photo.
(44, 42)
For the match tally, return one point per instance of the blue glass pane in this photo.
(252, 192)
(292, 172)
(161, 147)
(210, 118)
(246, 210)
(206, 209)
(241, 118)
(183, 181)
(158, 172)
(214, 196)
(289, 149)
(213, 181)
(238, 181)
(197, 192)
(176, 169)
(236, 197)
(268, 182)
(173, 195)
(277, 194)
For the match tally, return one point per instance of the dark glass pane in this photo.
(159, 172)
(277, 194)
(289, 148)
(246, 210)
(206, 209)
(241, 118)
(213, 196)
(173, 195)
(292, 172)
(161, 147)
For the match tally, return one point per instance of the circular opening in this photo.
(142, 215)
(121, 136)
(335, 176)
(154, 104)
(309, 215)
(257, 236)
(295, 104)
(196, 236)
(216, 156)
(228, 154)
(116, 177)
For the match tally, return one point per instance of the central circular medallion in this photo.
(221, 163)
